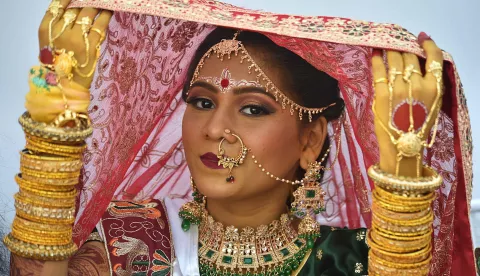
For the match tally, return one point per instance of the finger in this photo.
(54, 12)
(433, 53)
(66, 22)
(99, 28)
(379, 74)
(416, 76)
(85, 12)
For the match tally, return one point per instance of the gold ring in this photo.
(436, 69)
(69, 17)
(86, 23)
(409, 70)
(381, 80)
(54, 9)
(102, 34)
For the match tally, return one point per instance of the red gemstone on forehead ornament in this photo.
(224, 83)
(401, 115)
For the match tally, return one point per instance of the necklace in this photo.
(274, 249)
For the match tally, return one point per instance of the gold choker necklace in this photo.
(274, 249)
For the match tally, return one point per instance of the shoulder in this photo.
(340, 251)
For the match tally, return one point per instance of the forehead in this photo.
(214, 66)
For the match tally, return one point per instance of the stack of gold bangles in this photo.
(401, 233)
(45, 205)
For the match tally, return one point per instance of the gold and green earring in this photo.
(309, 201)
(191, 212)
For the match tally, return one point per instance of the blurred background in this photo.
(452, 24)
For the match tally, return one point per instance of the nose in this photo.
(220, 126)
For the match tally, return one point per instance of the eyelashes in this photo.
(250, 109)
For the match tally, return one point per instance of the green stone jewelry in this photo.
(276, 249)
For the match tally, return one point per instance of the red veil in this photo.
(136, 148)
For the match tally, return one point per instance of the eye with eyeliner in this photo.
(200, 103)
(256, 109)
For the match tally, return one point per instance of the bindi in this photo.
(226, 82)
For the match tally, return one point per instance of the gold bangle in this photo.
(49, 163)
(374, 258)
(73, 148)
(405, 198)
(50, 175)
(24, 183)
(411, 222)
(45, 233)
(398, 215)
(52, 133)
(30, 198)
(376, 269)
(39, 252)
(398, 238)
(39, 219)
(70, 194)
(406, 185)
(403, 234)
(50, 181)
(37, 239)
(42, 226)
(54, 214)
(400, 258)
(399, 246)
(397, 208)
(414, 229)
(405, 202)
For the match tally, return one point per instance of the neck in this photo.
(251, 211)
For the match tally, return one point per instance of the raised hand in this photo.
(79, 31)
(70, 41)
(406, 107)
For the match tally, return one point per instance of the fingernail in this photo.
(422, 37)
(377, 53)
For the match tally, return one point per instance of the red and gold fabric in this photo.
(136, 150)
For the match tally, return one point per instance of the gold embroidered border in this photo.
(337, 30)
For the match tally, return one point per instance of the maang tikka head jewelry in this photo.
(227, 47)
(231, 162)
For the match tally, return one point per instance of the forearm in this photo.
(90, 260)
(20, 266)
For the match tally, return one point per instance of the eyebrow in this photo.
(236, 90)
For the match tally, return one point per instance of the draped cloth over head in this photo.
(136, 150)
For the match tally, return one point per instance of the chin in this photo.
(215, 186)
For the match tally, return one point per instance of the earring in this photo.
(309, 201)
(191, 212)
(231, 162)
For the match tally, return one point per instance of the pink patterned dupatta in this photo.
(136, 150)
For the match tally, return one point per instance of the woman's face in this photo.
(270, 133)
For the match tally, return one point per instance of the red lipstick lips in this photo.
(210, 160)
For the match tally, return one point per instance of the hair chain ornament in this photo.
(231, 162)
(411, 142)
(228, 46)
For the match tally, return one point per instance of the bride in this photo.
(235, 142)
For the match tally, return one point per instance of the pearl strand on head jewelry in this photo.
(297, 182)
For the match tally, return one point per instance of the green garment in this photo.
(338, 252)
